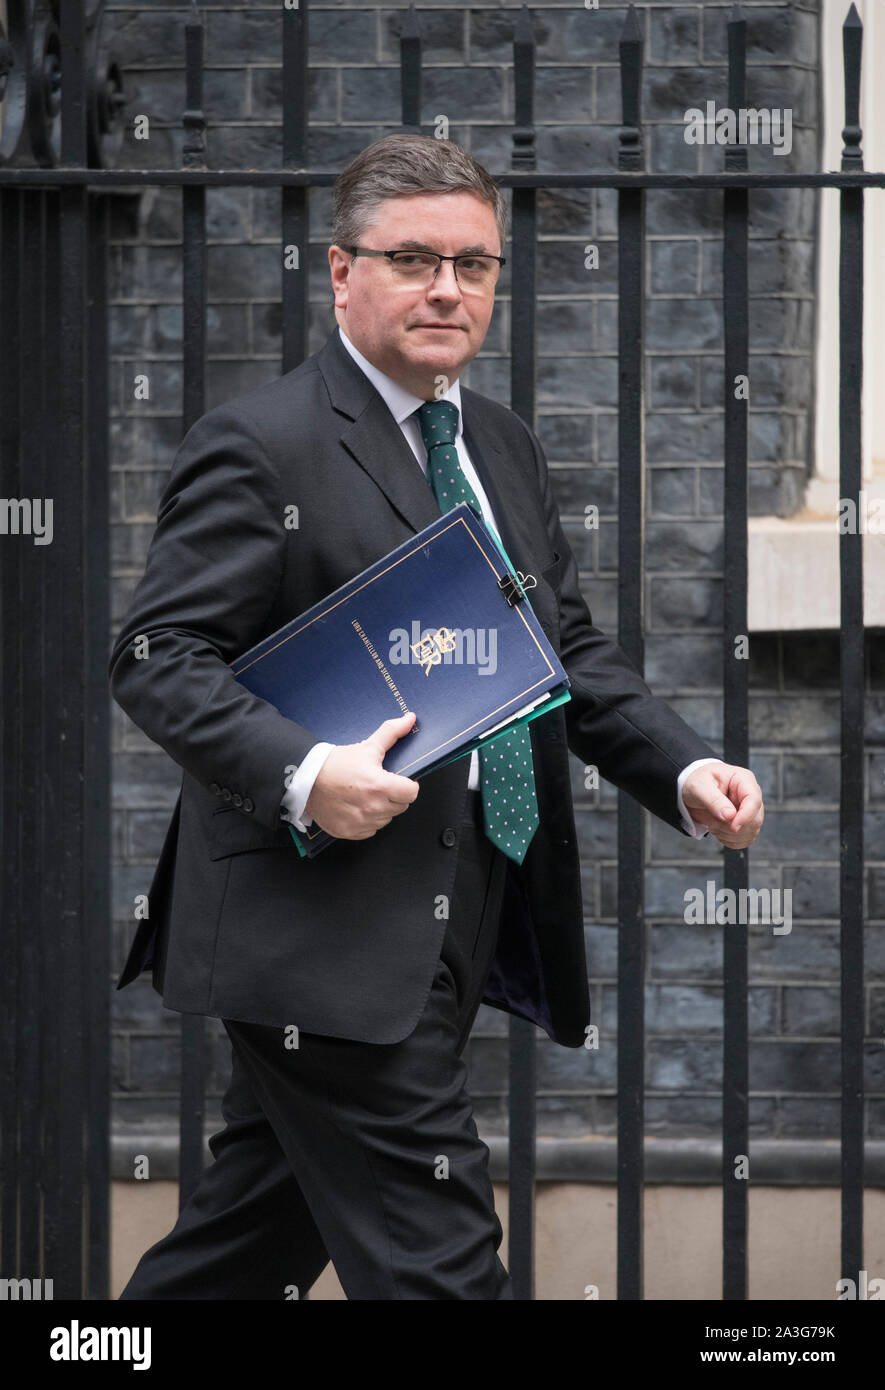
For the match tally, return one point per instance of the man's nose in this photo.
(445, 282)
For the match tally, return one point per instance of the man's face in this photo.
(416, 335)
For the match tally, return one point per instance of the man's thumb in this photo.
(386, 735)
(722, 808)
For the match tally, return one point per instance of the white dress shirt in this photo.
(402, 405)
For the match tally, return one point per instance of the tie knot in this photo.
(438, 421)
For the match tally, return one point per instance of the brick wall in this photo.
(354, 98)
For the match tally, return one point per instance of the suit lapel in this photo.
(372, 436)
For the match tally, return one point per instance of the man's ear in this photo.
(339, 267)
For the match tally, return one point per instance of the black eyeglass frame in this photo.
(415, 251)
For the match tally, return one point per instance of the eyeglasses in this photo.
(420, 268)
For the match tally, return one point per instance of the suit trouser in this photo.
(363, 1153)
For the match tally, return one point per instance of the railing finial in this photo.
(193, 153)
(523, 156)
(411, 28)
(736, 154)
(630, 52)
(852, 44)
(410, 72)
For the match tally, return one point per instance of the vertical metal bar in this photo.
(98, 764)
(50, 894)
(68, 546)
(33, 562)
(631, 586)
(295, 219)
(11, 706)
(851, 644)
(735, 1039)
(193, 222)
(410, 72)
(522, 1044)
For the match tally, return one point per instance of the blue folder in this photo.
(441, 626)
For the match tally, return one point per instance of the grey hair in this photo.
(402, 164)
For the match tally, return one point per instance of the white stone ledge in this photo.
(793, 574)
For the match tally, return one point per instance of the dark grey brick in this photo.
(811, 777)
(694, 546)
(668, 153)
(244, 272)
(776, 491)
(710, 489)
(780, 33)
(794, 1066)
(576, 488)
(673, 948)
(322, 85)
(601, 945)
(672, 491)
(128, 328)
(675, 1065)
(684, 603)
(764, 661)
(135, 35)
(577, 381)
(586, 145)
(674, 35)
(234, 33)
(774, 720)
(443, 37)
(568, 1116)
(800, 1117)
(682, 661)
(811, 1011)
(814, 888)
(565, 211)
(563, 328)
(691, 325)
(672, 382)
(577, 1069)
(597, 832)
(809, 952)
(561, 269)
(348, 35)
(146, 442)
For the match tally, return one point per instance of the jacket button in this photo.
(226, 794)
(248, 803)
(238, 800)
(214, 788)
(448, 836)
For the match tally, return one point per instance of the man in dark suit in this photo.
(348, 983)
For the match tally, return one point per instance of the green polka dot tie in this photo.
(507, 778)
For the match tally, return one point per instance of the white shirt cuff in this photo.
(299, 789)
(697, 832)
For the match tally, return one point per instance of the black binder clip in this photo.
(513, 586)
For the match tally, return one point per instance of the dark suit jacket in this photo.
(345, 945)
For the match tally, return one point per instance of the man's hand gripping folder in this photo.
(441, 626)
